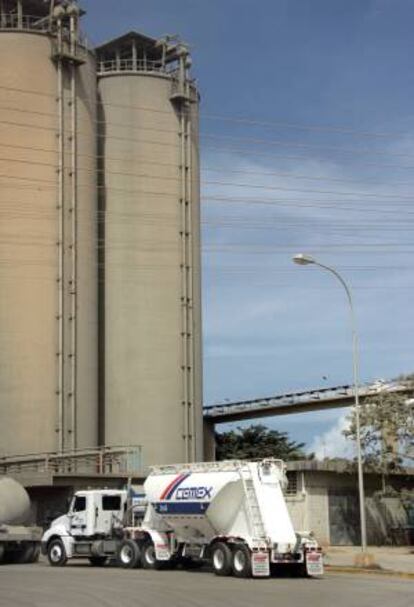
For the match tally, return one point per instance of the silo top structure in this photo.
(48, 282)
(36, 15)
(149, 197)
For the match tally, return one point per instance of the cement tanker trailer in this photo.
(19, 543)
(231, 514)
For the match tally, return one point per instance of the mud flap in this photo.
(161, 545)
(260, 564)
(314, 563)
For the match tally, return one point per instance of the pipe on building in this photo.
(74, 228)
(190, 293)
(184, 288)
(60, 279)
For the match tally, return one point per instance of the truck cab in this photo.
(89, 529)
(94, 513)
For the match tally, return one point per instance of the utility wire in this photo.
(254, 141)
(231, 119)
(248, 186)
(98, 170)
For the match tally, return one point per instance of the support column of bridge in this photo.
(209, 440)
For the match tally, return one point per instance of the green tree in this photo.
(255, 442)
(387, 428)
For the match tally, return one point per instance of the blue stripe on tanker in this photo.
(181, 507)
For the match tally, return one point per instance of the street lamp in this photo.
(304, 260)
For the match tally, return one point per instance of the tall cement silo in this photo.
(48, 284)
(150, 199)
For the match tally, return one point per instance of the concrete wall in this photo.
(312, 509)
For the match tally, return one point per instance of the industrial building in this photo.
(100, 314)
(322, 497)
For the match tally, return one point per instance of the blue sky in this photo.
(307, 144)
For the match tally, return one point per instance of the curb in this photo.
(360, 570)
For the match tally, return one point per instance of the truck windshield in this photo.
(79, 503)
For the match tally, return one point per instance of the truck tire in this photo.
(56, 553)
(221, 558)
(128, 554)
(241, 561)
(28, 553)
(36, 554)
(148, 557)
(2, 551)
(98, 561)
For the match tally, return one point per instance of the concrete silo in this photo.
(151, 284)
(48, 284)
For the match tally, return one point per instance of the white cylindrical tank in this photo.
(48, 283)
(238, 499)
(14, 502)
(150, 198)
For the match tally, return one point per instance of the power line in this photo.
(232, 119)
(290, 175)
(131, 126)
(248, 186)
(287, 144)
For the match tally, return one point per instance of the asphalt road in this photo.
(80, 585)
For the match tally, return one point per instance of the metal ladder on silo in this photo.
(253, 508)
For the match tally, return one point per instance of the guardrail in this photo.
(132, 65)
(101, 460)
(34, 23)
(12, 21)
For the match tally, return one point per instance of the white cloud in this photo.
(333, 443)
(260, 308)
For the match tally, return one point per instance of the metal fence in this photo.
(12, 21)
(134, 65)
(102, 460)
(34, 23)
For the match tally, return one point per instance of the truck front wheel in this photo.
(242, 561)
(222, 559)
(56, 553)
(128, 554)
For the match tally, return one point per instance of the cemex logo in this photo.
(185, 493)
(198, 493)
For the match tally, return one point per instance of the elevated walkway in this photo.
(65, 469)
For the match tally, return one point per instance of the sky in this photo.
(307, 145)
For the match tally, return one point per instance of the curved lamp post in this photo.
(304, 260)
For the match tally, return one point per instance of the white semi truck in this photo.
(95, 527)
(230, 514)
(19, 541)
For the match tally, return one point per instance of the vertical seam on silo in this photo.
(183, 195)
(74, 285)
(190, 270)
(60, 244)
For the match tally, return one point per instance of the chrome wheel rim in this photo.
(150, 555)
(56, 553)
(218, 559)
(239, 560)
(126, 554)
